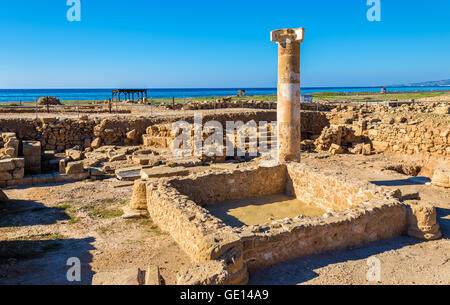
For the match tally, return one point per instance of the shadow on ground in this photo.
(402, 182)
(19, 213)
(44, 262)
(301, 270)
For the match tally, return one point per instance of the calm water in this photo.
(16, 95)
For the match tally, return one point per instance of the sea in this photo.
(27, 95)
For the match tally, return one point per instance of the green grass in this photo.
(147, 225)
(46, 236)
(70, 212)
(104, 212)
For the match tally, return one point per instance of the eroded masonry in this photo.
(234, 214)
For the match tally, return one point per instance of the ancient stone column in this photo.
(288, 106)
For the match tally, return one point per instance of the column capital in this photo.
(288, 35)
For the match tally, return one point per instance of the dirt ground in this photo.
(43, 226)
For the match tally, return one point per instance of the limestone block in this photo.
(10, 152)
(74, 167)
(31, 148)
(441, 176)
(18, 173)
(43, 179)
(132, 135)
(380, 146)
(62, 166)
(96, 143)
(158, 172)
(336, 149)
(7, 165)
(75, 155)
(19, 162)
(422, 224)
(139, 198)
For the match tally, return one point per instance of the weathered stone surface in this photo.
(163, 171)
(336, 149)
(441, 176)
(359, 213)
(139, 198)
(7, 165)
(184, 162)
(18, 173)
(74, 167)
(74, 154)
(4, 176)
(62, 166)
(422, 223)
(96, 143)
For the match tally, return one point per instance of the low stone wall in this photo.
(369, 215)
(11, 169)
(238, 184)
(324, 189)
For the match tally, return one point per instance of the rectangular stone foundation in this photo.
(357, 213)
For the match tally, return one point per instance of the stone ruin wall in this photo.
(411, 137)
(369, 215)
(176, 207)
(326, 191)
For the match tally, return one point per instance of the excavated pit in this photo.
(260, 210)
(273, 214)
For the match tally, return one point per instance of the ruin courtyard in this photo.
(166, 193)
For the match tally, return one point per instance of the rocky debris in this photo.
(96, 143)
(361, 149)
(441, 176)
(422, 224)
(49, 100)
(149, 159)
(11, 145)
(443, 110)
(74, 154)
(336, 149)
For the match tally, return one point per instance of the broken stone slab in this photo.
(129, 173)
(75, 155)
(149, 160)
(74, 167)
(119, 157)
(163, 171)
(225, 166)
(184, 162)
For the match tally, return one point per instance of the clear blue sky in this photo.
(163, 44)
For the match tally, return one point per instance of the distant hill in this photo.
(429, 84)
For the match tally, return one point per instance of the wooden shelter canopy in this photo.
(129, 93)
